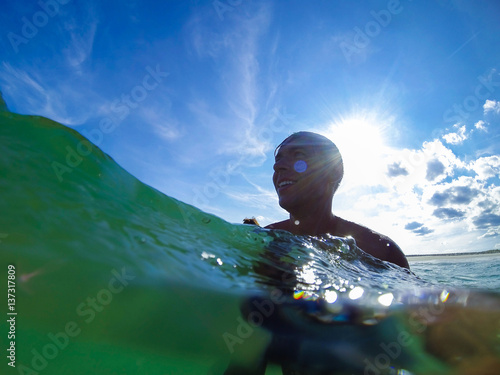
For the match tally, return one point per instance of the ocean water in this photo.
(109, 276)
(475, 272)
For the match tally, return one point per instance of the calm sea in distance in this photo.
(479, 272)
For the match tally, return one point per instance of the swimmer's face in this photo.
(299, 174)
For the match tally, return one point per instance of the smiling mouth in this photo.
(285, 183)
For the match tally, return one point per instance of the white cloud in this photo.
(431, 207)
(481, 125)
(429, 165)
(491, 106)
(486, 167)
(456, 138)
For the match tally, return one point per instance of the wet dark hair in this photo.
(327, 151)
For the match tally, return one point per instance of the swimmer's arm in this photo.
(279, 225)
(380, 246)
(371, 242)
(384, 248)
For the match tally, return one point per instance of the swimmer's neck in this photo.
(312, 224)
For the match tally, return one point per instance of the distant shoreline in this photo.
(487, 253)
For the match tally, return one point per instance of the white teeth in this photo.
(283, 183)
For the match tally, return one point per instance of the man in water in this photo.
(308, 169)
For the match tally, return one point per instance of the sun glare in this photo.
(361, 141)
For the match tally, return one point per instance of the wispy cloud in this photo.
(80, 46)
(43, 89)
(233, 48)
(264, 197)
(167, 129)
(39, 96)
(256, 201)
(157, 114)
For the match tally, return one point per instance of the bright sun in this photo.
(361, 141)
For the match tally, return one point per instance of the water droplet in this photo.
(330, 296)
(386, 299)
(356, 293)
(205, 255)
(296, 222)
(140, 239)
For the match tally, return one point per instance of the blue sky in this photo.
(192, 97)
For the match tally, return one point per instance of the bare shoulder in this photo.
(371, 242)
(279, 225)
